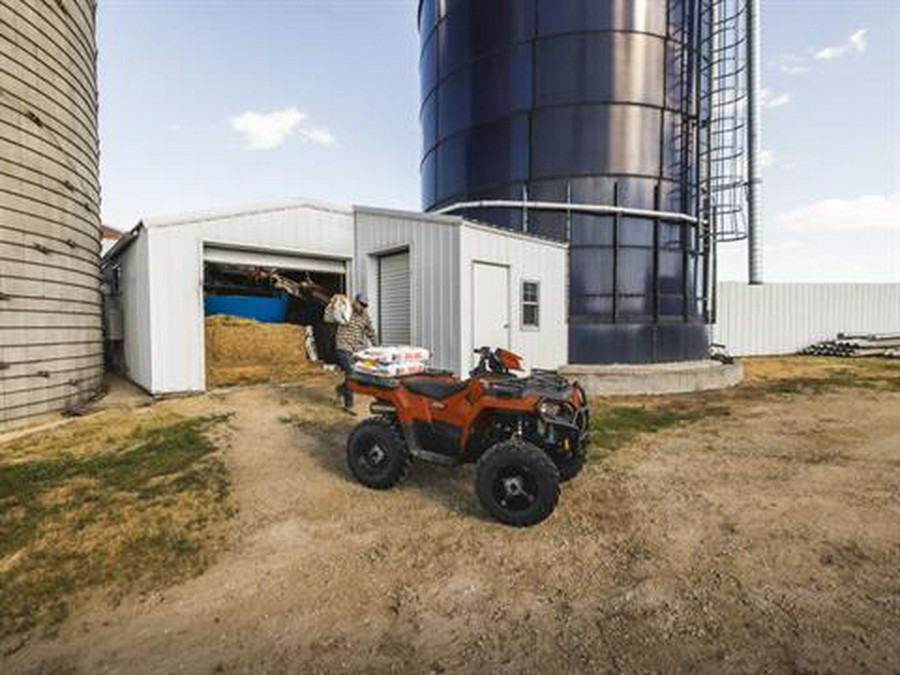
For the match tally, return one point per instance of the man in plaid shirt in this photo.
(351, 337)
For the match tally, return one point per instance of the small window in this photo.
(531, 304)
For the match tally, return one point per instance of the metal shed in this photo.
(436, 281)
(468, 285)
(154, 277)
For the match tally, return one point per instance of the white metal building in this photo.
(160, 277)
(439, 282)
(785, 318)
(452, 285)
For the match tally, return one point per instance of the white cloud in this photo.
(833, 215)
(789, 69)
(769, 99)
(265, 131)
(855, 44)
(316, 135)
(858, 41)
(768, 159)
(792, 64)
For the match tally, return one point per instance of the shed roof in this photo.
(236, 212)
(459, 221)
(194, 217)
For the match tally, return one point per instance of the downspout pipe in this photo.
(754, 126)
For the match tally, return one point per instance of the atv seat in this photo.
(432, 387)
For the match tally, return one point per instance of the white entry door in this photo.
(394, 301)
(490, 306)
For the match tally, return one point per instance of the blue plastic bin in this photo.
(264, 310)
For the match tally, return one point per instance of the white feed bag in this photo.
(339, 310)
(395, 354)
(397, 369)
(395, 361)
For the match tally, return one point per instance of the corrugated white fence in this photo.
(785, 318)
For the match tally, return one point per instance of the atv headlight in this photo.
(554, 409)
(548, 408)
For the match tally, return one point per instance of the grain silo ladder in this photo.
(724, 150)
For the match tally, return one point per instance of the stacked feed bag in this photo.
(391, 361)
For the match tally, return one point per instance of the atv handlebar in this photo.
(489, 362)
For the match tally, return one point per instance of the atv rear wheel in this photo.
(517, 483)
(377, 454)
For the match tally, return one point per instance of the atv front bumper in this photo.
(574, 431)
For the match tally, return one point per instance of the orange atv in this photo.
(528, 434)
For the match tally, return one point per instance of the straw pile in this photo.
(243, 351)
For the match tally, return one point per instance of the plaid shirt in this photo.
(351, 337)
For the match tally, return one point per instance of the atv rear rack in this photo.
(388, 383)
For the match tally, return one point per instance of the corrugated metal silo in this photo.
(50, 304)
(582, 120)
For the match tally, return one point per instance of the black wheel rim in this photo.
(515, 488)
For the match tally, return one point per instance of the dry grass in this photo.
(618, 421)
(317, 413)
(230, 376)
(85, 437)
(829, 372)
(242, 351)
(123, 503)
(614, 426)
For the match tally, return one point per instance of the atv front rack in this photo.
(544, 383)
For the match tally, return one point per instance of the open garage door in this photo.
(284, 261)
(394, 301)
(254, 331)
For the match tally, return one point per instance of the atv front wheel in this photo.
(570, 463)
(377, 454)
(517, 483)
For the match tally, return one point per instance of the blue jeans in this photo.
(345, 362)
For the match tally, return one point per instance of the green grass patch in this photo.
(138, 514)
(830, 382)
(613, 427)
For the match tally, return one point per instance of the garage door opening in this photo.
(257, 332)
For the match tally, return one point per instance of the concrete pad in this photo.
(657, 378)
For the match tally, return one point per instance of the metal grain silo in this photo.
(50, 307)
(585, 121)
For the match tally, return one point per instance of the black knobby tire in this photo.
(570, 463)
(377, 454)
(517, 483)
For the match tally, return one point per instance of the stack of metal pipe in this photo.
(858, 345)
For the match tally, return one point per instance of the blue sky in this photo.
(188, 89)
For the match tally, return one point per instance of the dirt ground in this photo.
(767, 540)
